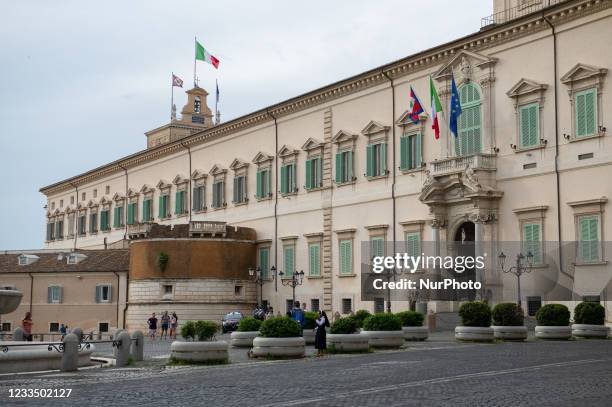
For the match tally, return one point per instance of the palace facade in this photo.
(323, 177)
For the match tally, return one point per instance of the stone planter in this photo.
(278, 347)
(243, 339)
(213, 351)
(384, 339)
(510, 333)
(415, 333)
(474, 333)
(553, 332)
(590, 331)
(309, 336)
(348, 342)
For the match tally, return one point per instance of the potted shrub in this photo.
(383, 331)
(553, 322)
(476, 322)
(345, 338)
(279, 337)
(202, 347)
(361, 316)
(508, 322)
(309, 327)
(247, 330)
(412, 325)
(589, 319)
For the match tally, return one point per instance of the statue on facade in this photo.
(470, 179)
(466, 70)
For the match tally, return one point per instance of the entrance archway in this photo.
(464, 246)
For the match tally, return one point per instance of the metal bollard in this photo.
(122, 351)
(70, 357)
(79, 333)
(18, 334)
(137, 347)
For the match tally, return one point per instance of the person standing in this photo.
(62, 331)
(26, 324)
(165, 322)
(152, 322)
(173, 325)
(321, 335)
(297, 314)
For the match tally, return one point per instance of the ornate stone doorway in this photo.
(462, 246)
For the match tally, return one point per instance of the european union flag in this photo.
(455, 107)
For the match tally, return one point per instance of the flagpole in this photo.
(171, 103)
(216, 99)
(195, 52)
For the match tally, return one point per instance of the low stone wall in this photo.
(36, 358)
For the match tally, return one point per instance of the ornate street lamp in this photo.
(518, 269)
(296, 279)
(389, 274)
(257, 277)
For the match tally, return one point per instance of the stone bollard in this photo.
(70, 357)
(137, 347)
(122, 351)
(18, 334)
(79, 333)
(117, 332)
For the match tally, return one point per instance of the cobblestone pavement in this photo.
(433, 373)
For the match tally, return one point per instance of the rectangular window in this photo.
(264, 261)
(168, 288)
(50, 231)
(147, 210)
(237, 290)
(376, 155)
(132, 213)
(103, 327)
(71, 218)
(379, 305)
(218, 194)
(164, 207)
(314, 259)
(104, 221)
(54, 294)
(59, 229)
(314, 305)
(289, 261)
(591, 298)
(413, 243)
(6, 327)
(179, 202)
(533, 305)
(410, 152)
(589, 238)
(344, 167)
(585, 110)
(199, 198)
(118, 217)
(346, 256)
(532, 241)
(93, 223)
(529, 117)
(263, 184)
(469, 139)
(347, 305)
(53, 326)
(377, 246)
(82, 225)
(288, 181)
(314, 173)
(240, 192)
(103, 293)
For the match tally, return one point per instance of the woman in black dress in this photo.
(320, 336)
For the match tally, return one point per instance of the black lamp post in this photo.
(390, 273)
(518, 270)
(296, 279)
(257, 277)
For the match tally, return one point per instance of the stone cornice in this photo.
(424, 60)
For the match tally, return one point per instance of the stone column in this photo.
(478, 242)
(122, 351)
(137, 346)
(326, 248)
(70, 357)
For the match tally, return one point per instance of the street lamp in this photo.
(297, 278)
(518, 270)
(257, 277)
(391, 272)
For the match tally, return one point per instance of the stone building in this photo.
(329, 177)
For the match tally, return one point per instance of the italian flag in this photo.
(436, 107)
(203, 55)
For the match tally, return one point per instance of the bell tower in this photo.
(196, 111)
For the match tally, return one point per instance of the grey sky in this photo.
(82, 81)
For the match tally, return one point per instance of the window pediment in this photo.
(238, 164)
(582, 72)
(198, 174)
(217, 170)
(287, 151)
(92, 204)
(146, 189)
(180, 180)
(312, 144)
(162, 184)
(467, 60)
(262, 158)
(105, 201)
(343, 136)
(374, 128)
(526, 87)
(406, 120)
(118, 197)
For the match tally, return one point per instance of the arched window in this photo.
(196, 104)
(469, 139)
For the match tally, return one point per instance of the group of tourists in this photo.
(169, 325)
(322, 322)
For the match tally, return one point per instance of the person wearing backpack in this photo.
(321, 335)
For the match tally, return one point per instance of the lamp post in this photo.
(297, 278)
(390, 273)
(518, 270)
(256, 276)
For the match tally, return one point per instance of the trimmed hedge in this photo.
(475, 313)
(200, 330)
(382, 322)
(591, 313)
(347, 325)
(310, 320)
(411, 318)
(553, 315)
(280, 327)
(361, 316)
(249, 324)
(507, 314)
(188, 330)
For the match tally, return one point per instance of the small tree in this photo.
(475, 313)
(188, 330)
(507, 314)
(162, 261)
(590, 313)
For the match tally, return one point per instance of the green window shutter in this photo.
(264, 263)
(116, 217)
(104, 220)
(346, 256)
(98, 293)
(383, 158)
(413, 244)
(585, 111)
(314, 255)
(260, 181)
(293, 178)
(130, 214)
(369, 160)
(236, 191)
(418, 156)
(589, 238)
(531, 241)
(529, 125)
(339, 168)
(195, 199)
(378, 246)
(309, 180)
(177, 201)
(349, 167)
(590, 111)
(319, 172)
(284, 186)
(160, 209)
(267, 177)
(289, 259)
(147, 210)
(404, 153)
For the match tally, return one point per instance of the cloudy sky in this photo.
(80, 81)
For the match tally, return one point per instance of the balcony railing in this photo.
(139, 229)
(199, 228)
(527, 7)
(458, 164)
